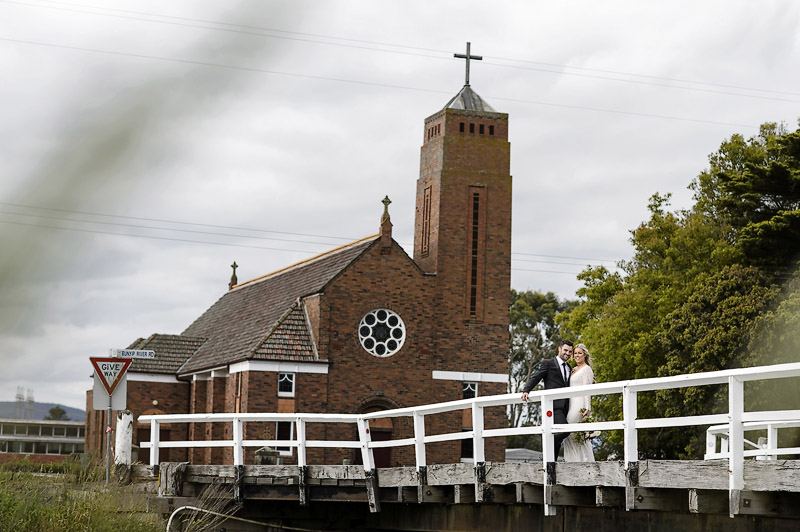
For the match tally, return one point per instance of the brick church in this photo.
(360, 328)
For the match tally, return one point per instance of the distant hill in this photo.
(40, 410)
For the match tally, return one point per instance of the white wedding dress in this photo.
(574, 451)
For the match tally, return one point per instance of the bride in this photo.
(579, 450)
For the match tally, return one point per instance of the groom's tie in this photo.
(564, 369)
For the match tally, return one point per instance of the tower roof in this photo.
(468, 99)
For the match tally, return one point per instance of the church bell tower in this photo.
(462, 230)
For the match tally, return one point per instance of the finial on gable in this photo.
(386, 228)
(386, 201)
(234, 281)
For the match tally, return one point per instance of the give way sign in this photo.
(110, 371)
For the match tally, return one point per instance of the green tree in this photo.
(534, 336)
(699, 287)
(57, 413)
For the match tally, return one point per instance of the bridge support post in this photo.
(422, 481)
(631, 483)
(303, 485)
(238, 483)
(480, 482)
(170, 479)
(373, 491)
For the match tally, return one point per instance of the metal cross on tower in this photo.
(467, 56)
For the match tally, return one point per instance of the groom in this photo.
(555, 372)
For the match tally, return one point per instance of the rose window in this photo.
(381, 332)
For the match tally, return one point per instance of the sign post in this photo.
(110, 372)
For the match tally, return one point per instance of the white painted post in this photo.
(365, 439)
(124, 438)
(630, 446)
(735, 443)
(478, 455)
(772, 441)
(154, 434)
(548, 454)
(301, 442)
(711, 444)
(547, 427)
(419, 440)
(630, 438)
(238, 436)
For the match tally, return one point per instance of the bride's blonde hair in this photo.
(587, 357)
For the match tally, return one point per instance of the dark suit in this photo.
(550, 371)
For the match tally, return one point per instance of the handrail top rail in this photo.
(774, 371)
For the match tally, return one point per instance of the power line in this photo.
(367, 83)
(157, 220)
(117, 224)
(184, 223)
(205, 242)
(448, 54)
(174, 239)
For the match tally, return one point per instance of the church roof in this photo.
(468, 99)
(289, 340)
(258, 319)
(172, 350)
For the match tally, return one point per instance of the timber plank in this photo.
(662, 500)
(777, 504)
(572, 496)
(348, 472)
(772, 475)
(683, 474)
(511, 473)
(464, 493)
(449, 474)
(590, 474)
(337, 494)
(530, 494)
(397, 476)
(609, 497)
(435, 494)
(708, 502)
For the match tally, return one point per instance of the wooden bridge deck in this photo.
(771, 487)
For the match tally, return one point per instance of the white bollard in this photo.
(122, 447)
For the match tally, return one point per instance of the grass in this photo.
(68, 497)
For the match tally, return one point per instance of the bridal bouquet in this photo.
(585, 435)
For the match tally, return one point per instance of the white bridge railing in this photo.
(730, 425)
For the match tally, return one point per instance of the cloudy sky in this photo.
(144, 148)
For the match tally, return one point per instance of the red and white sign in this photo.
(110, 371)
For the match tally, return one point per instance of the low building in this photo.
(43, 441)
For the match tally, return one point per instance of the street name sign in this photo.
(110, 371)
(131, 353)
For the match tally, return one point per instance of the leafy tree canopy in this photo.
(702, 290)
(57, 413)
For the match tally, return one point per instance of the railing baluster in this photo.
(629, 413)
(548, 455)
(301, 442)
(154, 439)
(238, 450)
(735, 443)
(630, 444)
(365, 439)
(478, 454)
(419, 440)
(772, 441)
